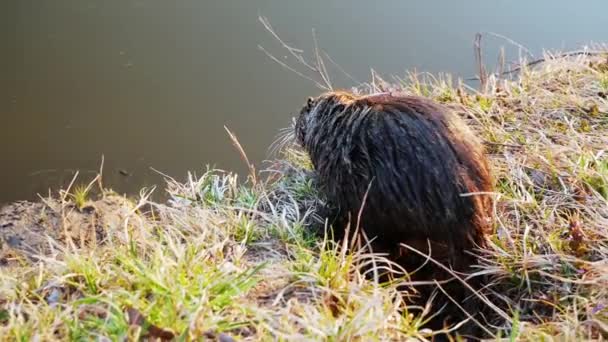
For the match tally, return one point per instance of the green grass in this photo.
(80, 196)
(239, 258)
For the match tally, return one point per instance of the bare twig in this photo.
(318, 67)
(296, 53)
(544, 59)
(501, 61)
(520, 46)
(100, 174)
(483, 77)
(284, 65)
(349, 76)
(238, 146)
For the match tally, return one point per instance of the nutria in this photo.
(422, 172)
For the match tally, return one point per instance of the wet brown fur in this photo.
(421, 170)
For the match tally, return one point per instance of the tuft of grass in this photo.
(485, 103)
(253, 260)
(80, 196)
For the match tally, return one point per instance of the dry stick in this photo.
(340, 68)
(511, 41)
(238, 146)
(284, 65)
(501, 61)
(562, 55)
(163, 174)
(100, 174)
(483, 78)
(505, 145)
(297, 54)
(520, 46)
(320, 64)
(544, 59)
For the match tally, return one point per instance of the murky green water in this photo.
(153, 83)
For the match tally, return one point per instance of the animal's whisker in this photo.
(285, 137)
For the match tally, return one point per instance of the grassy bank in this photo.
(228, 259)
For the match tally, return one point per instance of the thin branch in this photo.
(501, 61)
(497, 35)
(318, 67)
(544, 59)
(284, 65)
(483, 77)
(296, 53)
(340, 68)
(320, 64)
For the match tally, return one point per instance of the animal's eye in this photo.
(309, 103)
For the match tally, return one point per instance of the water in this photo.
(153, 83)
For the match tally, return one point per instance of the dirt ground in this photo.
(30, 230)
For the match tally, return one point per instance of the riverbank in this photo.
(228, 259)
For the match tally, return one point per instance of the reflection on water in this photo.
(152, 83)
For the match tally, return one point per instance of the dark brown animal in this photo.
(422, 172)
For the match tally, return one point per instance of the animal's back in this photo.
(416, 166)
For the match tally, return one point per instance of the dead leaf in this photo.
(136, 318)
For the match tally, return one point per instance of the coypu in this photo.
(417, 166)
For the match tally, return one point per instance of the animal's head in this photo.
(316, 110)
